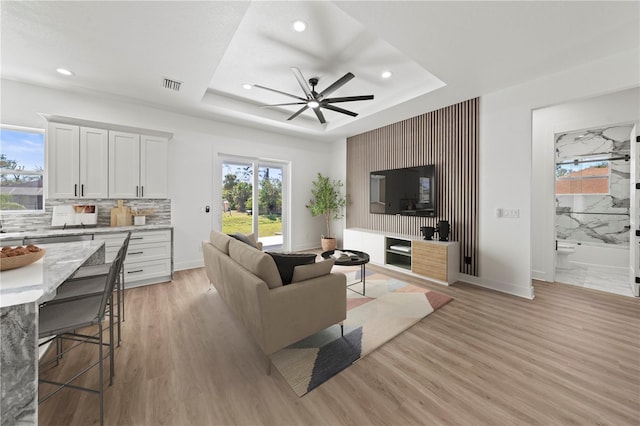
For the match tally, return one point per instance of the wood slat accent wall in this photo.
(447, 138)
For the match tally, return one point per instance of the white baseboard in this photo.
(635, 287)
(306, 246)
(189, 264)
(541, 276)
(524, 292)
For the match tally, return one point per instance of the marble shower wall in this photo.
(596, 218)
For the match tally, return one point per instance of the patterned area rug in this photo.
(390, 307)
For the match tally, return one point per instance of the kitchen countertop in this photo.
(39, 281)
(56, 232)
(21, 291)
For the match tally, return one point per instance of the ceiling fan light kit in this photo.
(316, 101)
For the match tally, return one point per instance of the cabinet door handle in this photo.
(137, 238)
(82, 189)
(136, 190)
(135, 272)
(75, 189)
(135, 252)
(142, 191)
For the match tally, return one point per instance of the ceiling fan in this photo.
(315, 100)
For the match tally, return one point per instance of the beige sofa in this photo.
(276, 315)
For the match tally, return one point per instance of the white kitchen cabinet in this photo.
(112, 243)
(94, 169)
(149, 258)
(137, 166)
(124, 165)
(77, 162)
(153, 166)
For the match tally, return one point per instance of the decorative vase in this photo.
(427, 232)
(443, 230)
(328, 243)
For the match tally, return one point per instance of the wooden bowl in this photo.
(13, 262)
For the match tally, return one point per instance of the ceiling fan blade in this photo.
(278, 91)
(336, 85)
(302, 82)
(348, 99)
(276, 105)
(338, 109)
(300, 111)
(320, 115)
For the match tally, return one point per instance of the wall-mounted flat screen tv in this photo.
(409, 191)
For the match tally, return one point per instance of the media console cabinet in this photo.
(438, 261)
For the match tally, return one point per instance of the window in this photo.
(21, 168)
(589, 177)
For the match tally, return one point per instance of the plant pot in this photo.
(328, 243)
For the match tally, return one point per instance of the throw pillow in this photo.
(245, 239)
(306, 272)
(287, 261)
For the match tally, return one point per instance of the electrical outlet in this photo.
(467, 260)
(511, 213)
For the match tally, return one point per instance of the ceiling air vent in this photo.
(168, 83)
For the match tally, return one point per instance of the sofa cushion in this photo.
(306, 272)
(255, 261)
(287, 261)
(247, 239)
(220, 241)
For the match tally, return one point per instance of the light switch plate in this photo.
(511, 213)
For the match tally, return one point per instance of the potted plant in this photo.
(328, 201)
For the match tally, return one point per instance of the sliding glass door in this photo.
(253, 192)
(269, 205)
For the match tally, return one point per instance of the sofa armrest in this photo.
(295, 311)
(211, 264)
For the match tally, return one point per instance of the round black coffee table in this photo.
(354, 258)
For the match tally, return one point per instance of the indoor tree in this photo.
(327, 200)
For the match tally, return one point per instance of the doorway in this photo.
(584, 222)
(254, 197)
(592, 219)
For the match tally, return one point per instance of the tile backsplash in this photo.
(27, 221)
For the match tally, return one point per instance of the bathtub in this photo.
(599, 254)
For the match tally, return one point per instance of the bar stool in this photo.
(88, 281)
(60, 320)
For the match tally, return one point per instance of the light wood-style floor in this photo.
(571, 356)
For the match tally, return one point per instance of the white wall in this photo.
(339, 171)
(192, 153)
(506, 163)
(615, 108)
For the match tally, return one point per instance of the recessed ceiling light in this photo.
(386, 74)
(64, 71)
(247, 86)
(299, 25)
